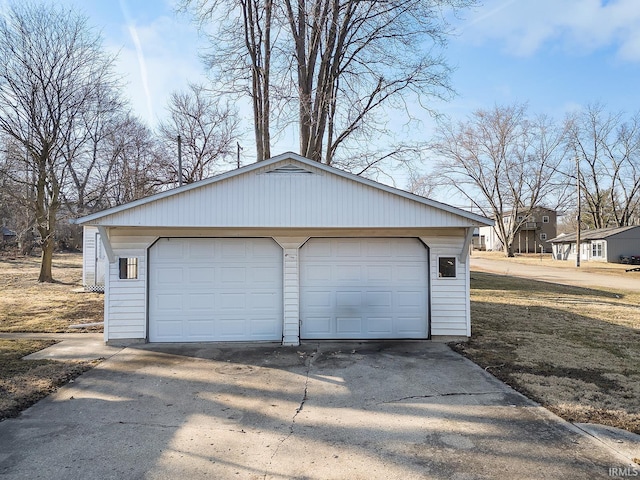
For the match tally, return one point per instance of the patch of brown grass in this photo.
(574, 350)
(604, 268)
(24, 382)
(29, 306)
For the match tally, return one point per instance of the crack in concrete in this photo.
(312, 356)
(435, 395)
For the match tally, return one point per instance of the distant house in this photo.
(599, 245)
(535, 232)
(8, 236)
(478, 242)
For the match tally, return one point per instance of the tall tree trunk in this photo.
(46, 275)
(47, 204)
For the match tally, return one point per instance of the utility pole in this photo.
(238, 154)
(579, 207)
(179, 161)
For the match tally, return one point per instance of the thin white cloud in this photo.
(579, 26)
(140, 56)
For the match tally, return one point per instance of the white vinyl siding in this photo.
(291, 288)
(450, 309)
(89, 256)
(260, 199)
(125, 306)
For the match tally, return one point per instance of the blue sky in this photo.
(557, 55)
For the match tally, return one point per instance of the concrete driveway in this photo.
(402, 410)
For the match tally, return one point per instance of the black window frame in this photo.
(447, 267)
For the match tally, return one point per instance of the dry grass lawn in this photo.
(24, 382)
(29, 306)
(546, 260)
(574, 350)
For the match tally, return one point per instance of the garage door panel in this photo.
(263, 301)
(263, 327)
(317, 272)
(349, 326)
(348, 273)
(348, 299)
(379, 249)
(211, 289)
(320, 326)
(411, 299)
(264, 275)
(317, 249)
(410, 325)
(169, 303)
(200, 328)
(203, 251)
(379, 273)
(363, 288)
(410, 274)
(316, 299)
(348, 248)
(379, 299)
(231, 327)
(201, 276)
(200, 302)
(168, 276)
(170, 250)
(381, 325)
(231, 249)
(169, 329)
(234, 274)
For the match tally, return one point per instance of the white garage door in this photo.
(215, 289)
(363, 288)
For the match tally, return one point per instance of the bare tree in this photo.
(208, 129)
(84, 152)
(53, 66)
(241, 34)
(353, 62)
(608, 148)
(504, 163)
(134, 167)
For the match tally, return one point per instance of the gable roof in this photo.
(594, 234)
(6, 232)
(285, 191)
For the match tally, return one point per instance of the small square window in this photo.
(545, 219)
(447, 267)
(543, 236)
(128, 268)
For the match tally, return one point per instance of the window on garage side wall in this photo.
(128, 268)
(447, 267)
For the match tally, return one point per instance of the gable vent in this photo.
(289, 169)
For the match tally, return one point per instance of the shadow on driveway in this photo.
(319, 411)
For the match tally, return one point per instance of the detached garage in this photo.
(282, 251)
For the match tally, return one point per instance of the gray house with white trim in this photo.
(285, 250)
(599, 245)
